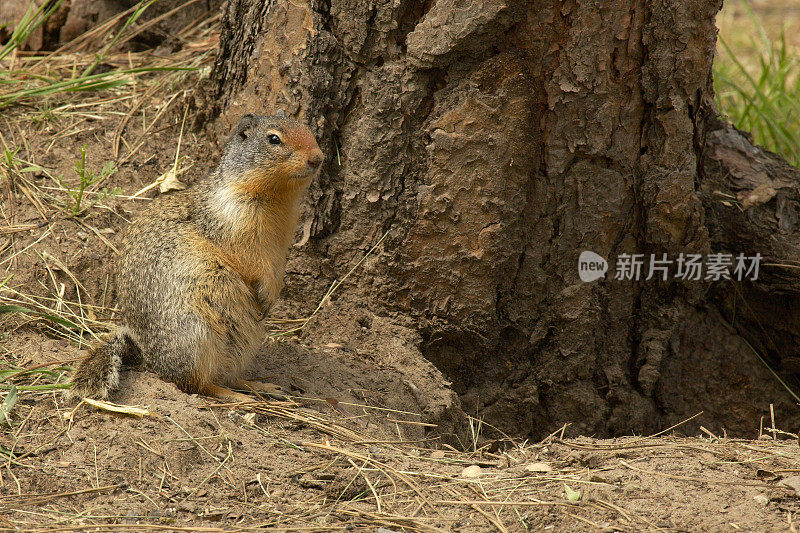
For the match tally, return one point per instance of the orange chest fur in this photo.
(256, 260)
(258, 236)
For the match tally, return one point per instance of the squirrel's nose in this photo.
(315, 159)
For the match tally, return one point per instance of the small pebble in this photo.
(539, 468)
(792, 482)
(472, 471)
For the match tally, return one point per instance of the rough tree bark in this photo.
(495, 140)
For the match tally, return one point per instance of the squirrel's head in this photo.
(267, 154)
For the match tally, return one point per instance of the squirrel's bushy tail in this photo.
(98, 373)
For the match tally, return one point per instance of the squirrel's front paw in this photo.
(276, 392)
(263, 301)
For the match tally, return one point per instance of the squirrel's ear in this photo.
(280, 113)
(245, 124)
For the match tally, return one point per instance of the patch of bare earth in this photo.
(326, 465)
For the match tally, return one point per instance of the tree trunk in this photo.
(495, 141)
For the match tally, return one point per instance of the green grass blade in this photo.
(10, 373)
(762, 96)
(88, 83)
(37, 388)
(8, 405)
(140, 9)
(28, 24)
(24, 310)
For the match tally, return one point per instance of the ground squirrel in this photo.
(201, 267)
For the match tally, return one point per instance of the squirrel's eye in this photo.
(274, 139)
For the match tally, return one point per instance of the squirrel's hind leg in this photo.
(228, 314)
